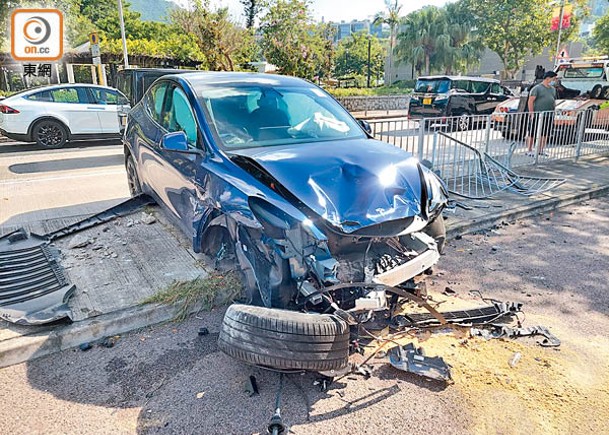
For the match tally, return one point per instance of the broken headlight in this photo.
(437, 194)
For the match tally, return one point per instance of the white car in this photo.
(52, 115)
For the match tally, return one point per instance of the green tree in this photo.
(391, 17)
(292, 42)
(600, 35)
(352, 57)
(225, 45)
(251, 9)
(424, 40)
(517, 29)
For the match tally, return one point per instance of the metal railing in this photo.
(461, 148)
(515, 139)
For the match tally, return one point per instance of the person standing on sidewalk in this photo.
(541, 105)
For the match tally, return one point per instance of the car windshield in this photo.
(432, 86)
(582, 72)
(255, 115)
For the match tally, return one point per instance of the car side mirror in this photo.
(175, 141)
(365, 125)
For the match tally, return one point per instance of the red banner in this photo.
(567, 13)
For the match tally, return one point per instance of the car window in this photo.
(579, 72)
(67, 95)
(154, 101)
(461, 85)
(496, 89)
(253, 115)
(41, 96)
(104, 96)
(432, 86)
(479, 87)
(180, 117)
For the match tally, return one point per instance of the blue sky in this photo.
(337, 10)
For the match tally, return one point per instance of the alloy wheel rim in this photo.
(50, 135)
(464, 122)
(132, 179)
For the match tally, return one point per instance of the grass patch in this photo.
(199, 294)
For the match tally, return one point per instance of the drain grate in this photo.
(33, 286)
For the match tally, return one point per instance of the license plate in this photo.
(427, 101)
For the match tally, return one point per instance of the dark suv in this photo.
(450, 96)
(134, 82)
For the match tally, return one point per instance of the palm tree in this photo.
(424, 40)
(465, 43)
(390, 17)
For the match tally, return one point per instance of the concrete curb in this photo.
(25, 348)
(538, 207)
(28, 347)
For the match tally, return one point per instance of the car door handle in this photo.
(95, 108)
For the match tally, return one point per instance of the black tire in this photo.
(605, 93)
(596, 91)
(134, 182)
(463, 122)
(50, 134)
(437, 230)
(284, 340)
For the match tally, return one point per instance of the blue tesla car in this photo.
(270, 174)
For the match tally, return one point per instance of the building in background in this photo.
(344, 30)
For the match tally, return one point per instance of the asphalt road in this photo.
(169, 380)
(38, 184)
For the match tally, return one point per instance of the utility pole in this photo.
(368, 79)
(562, 11)
(122, 24)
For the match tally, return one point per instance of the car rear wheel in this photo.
(596, 91)
(605, 93)
(284, 340)
(50, 134)
(463, 122)
(134, 182)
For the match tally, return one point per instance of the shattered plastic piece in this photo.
(472, 316)
(410, 359)
(109, 342)
(147, 218)
(514, 359)
(78, 241)
(33, 286)
(203, 331)
(251, 386)
(122, 209)
(500, 331)
(85, 347)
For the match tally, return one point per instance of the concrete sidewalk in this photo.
(586, 179)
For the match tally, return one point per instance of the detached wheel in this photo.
(284, 340)
(605, 93)
(134, 182)
(50, 134)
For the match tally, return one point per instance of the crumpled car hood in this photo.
(351, 184)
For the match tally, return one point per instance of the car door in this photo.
(172, 174)
(479, 96)
(106, 103)
(73, 106)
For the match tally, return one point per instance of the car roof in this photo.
(59, 86)
(477, 79)
(239, 78)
